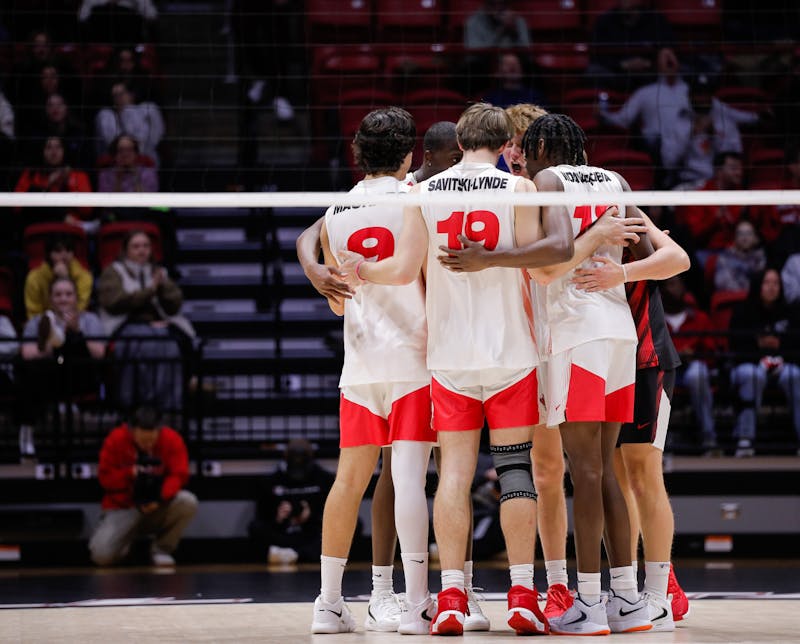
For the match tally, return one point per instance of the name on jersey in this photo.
(464, 184)
(586, 177)
(338, 209)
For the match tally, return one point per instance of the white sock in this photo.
(468, 575)
(635, 565)
(656, 577)
(556, 572)
(382, 580)
(522, 575)
(330, 571)
(415, 570)
(453, 579)
(589, 587)
(623, 583)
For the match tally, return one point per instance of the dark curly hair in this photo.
(383, 140)
(564, 140)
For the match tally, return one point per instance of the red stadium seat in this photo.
(457, 14)
(339, 21)
(750, 99)
(354, 105)
(400, 21)
(34, 240)
(552, 20)
(561, 67)
(692, 19)
(110, 236)
(593, 9)
(766, 165)
(722, 305)
(635, 166)
(411, 71)
(6, 292)
(430, 106)
(605, 140)
(339, 69)
(581, 104)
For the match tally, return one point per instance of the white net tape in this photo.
(324, 199)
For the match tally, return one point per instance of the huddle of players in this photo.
(463, 336)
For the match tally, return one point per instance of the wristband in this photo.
(360, 279)
(624, 274)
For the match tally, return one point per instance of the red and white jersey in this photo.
(478, 320)
(565, 316)
(385, 335)
(410, 179)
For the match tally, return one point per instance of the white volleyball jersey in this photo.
(410, 179)
(565, 316)
(385, 334)
(478, 320)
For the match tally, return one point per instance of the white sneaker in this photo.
(383, 612)
(476, 620)
(744, 449)
(161, 558)
(278, 555)
(27, 448)
(660, 612)
(283, 109)
(627, 617)
(581, 619)
(416, 620)
(332, 618)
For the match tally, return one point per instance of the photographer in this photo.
(289, 507)
(143, 468)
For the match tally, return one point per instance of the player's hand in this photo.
(619, 231)
(348, 263)
(329, 282)
(608, 275)
(472, 257)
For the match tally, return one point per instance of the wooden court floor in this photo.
(711, 620)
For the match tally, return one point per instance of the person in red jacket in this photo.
(143, 469)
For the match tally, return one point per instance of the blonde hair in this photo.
(484, 126)
(523, 114)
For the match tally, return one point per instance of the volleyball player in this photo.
(382, 401)
(478, 374)
(441, 151)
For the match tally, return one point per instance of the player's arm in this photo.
(327, 280)
(403, 267)
(666, 260)
(608, 229)
(531, 250)
(336, 303)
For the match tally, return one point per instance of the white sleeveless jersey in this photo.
(385, 334)
(410, 179)
(478, 320)
(565, 316)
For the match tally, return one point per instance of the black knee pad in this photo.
(513, 465)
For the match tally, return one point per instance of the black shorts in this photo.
(653, 398)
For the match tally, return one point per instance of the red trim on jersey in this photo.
(410, 418)
(514, 406)
(587, 400)
(359, 426)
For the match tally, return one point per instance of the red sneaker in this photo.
(559, 599)
(524, 614)
(680, 603)
(451, 611)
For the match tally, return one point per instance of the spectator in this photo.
(58, 347)
(57, 120)
(127, 21)
(622, 43)
(764, 334)
(715, 130)
(511, 87)
(140, 306)
(127, 68)
(289, 507)
(495, 24)
(142, 121)
(59, 261)
(54, 175)
(712, 227)
(663, 111)
(780, 224)
(128, 174)
(143, 469)
(737, 264)
(690, 328)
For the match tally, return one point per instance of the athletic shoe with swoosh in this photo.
(475, 620)
(627, 617)
(524, 614)
(451, 612)
(559, 599)
(416, 620)
(581, 619)
(383, 612)
(332, 618)
(660, 612)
